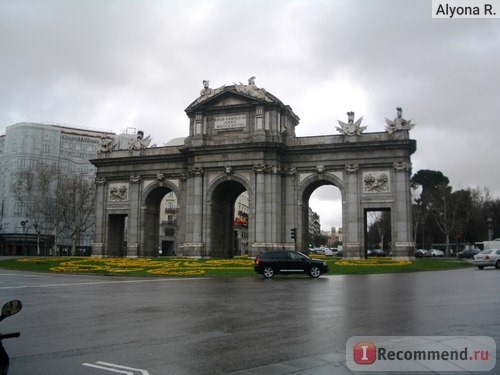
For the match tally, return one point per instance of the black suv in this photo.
(270, 263)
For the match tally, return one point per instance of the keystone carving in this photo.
(228, 169)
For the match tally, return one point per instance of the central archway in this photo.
(222, 212)
(310, 187)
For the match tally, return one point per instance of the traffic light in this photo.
(292, 232)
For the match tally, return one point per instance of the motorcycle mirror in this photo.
(11, 308)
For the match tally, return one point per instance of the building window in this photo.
(19, 208)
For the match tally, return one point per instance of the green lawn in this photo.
(189, 267)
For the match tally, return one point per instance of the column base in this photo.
(352, 250)
(192, 250)
(97, 249)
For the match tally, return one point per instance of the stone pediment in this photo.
(237, 94)
(228, 100)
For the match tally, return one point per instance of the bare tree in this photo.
(75, 207)
(34, 190)
(381, 221)
(54, 203)
(444, 210)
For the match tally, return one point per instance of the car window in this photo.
(486, 251)
(278, 255)
(294, 256)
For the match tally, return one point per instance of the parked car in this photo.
(487, 258)
(336, 252)
(376, 253)
(436, 253)
(469, 253)
(273, 262)
(322, 251)
(422, 253)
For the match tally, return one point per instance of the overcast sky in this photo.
(113, 64)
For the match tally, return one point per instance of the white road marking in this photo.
(96, 283)
(116, 368)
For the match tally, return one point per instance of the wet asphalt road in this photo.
(82, 324)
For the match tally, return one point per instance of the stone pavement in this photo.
(333, 363)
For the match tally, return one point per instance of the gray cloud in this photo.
(116, 64)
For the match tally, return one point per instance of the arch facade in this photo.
(242, 138)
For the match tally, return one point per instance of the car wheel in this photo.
(268, 272)
(497, 264)
(314, 272)
(480, 267)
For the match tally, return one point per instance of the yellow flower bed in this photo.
(170, 272)
(167, 267)
(373, 262)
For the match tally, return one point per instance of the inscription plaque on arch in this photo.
(230, 122)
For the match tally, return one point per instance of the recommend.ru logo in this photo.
(421, 353)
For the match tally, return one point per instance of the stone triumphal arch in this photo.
(242, 138)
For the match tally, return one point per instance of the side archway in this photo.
(223, 195)
(150, 228)
(308, 187)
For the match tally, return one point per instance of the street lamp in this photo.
(490, 228)
(25, 231)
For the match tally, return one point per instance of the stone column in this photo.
(198, 205)
(290, 212)
(271, 200)
(98, 247)
(260, 209)
(352, 216)
(134, 217)
(193, 245)
(402, 238)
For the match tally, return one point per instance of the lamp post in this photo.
(25, 232)
(490, 228)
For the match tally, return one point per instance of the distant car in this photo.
(436, 253)
(322, 251)
(270, 263)
(469, 253)
(376, 253)
(337, 252)
(422, 253)
(487, 258)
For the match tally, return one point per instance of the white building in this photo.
(240, 228)
(24, 146)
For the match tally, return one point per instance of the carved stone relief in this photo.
(118, 192)
(376, 182)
